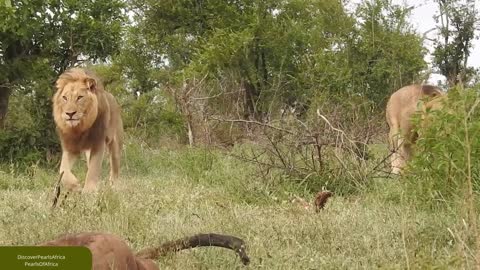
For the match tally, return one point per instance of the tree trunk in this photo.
(4, 97)
(191, 136)
(250, 104)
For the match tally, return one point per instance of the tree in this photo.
(261, 45)
(385, 53)
(40, 39)
(281, 52)
(458, 21)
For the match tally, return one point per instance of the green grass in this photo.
(168, 194)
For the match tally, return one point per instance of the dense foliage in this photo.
(446, 165)
(281, 52)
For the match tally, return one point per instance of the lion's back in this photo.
(403, 103)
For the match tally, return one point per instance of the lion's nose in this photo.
(70, 114)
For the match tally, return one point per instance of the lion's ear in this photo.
(91, 84)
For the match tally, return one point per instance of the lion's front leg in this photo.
(94, 169)
(68, 179)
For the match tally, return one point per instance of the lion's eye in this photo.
(64, 98)
(79, 97)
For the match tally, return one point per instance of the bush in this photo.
(29, 134)
(152, 116)
(324, 147)
(446, 165)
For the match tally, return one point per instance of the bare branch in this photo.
(252, 122)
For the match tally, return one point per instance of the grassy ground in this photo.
(168, 194)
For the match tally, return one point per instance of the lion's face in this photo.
(75, 105)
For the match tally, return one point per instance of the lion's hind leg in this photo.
(115, 153)
(397, 159)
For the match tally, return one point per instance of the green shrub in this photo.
(29, 134)
(152, 116)
(446, 165)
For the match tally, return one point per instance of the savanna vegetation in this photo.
(236, 114)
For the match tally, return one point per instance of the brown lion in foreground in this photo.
(401, 107)
(110, 252)
(88, 120)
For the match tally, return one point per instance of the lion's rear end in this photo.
(401, 107)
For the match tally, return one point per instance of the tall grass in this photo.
(167, 193)
(445, 171)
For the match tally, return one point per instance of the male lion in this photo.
(88, 120)
(401, 107)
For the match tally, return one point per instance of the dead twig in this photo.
(341, 132)
(393, 151)
(57, 190)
